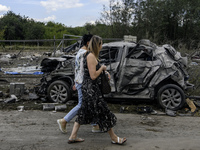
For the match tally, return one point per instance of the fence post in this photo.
(38, 45)
(63, 43)
(54, 37)
(10, 46)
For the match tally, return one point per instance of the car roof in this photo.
(119, 44)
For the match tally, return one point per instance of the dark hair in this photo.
(86, 38)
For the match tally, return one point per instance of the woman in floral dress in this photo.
(94, 109)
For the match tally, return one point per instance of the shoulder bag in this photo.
(105, 84)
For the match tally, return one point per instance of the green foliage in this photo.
(2, 34)
(34, 30)
(162, 21)
(15, 27)
(167, 20)
(117, 16)
(54, 29)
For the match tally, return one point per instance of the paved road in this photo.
(38, 130)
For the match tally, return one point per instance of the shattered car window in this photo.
(141, 52)
(108, 55)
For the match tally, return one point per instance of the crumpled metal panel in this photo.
(137, 74)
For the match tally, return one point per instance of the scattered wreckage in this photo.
(138, 71)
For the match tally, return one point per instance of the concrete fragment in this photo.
(48, 106)
(17, 88)
(60, 108)
(20, 108)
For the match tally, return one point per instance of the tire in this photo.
(59, 92)
(171, 96)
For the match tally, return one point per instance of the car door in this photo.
(111, 56)
(137, 69)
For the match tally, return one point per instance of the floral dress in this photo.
(94, 109)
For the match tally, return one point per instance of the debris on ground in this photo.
(124, 109)
(49, 106)
(144, 109)
(11, 99)
(1, 94)
(54, 106)
(170, 112)
(60, 108)
(191, 105)
(146, 120)
(20, 108)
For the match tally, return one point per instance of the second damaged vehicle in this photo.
(142, 71)
(57, 80)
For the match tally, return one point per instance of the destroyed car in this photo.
(139, 71)
(57, 79)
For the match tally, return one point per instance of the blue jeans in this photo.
(74, 111)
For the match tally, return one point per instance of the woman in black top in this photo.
(94, 109)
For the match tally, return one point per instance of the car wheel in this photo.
(171, 96)
(58, 92)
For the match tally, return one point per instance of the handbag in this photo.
(105, 84)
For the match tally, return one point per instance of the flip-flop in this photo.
(120, 141)
(70, 141)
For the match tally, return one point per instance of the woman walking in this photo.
(94, 109)
(78, 84)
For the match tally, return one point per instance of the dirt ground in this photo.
(36, 129)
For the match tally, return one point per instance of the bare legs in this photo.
(75, 131)
(113, 136)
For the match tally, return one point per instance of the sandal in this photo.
(61, 127)
(70, 141)
(120, 141)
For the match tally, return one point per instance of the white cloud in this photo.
(88, 19)
(54, 5)
(29, 2)
(105, 2)
(92, 21)
(50, 18)
(47, 19)
(4, 8)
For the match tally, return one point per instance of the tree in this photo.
(2, 34)
(167, 20)
(118, 17)
(13, 26)
(34, 30)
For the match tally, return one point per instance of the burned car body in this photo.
(140, 70)
(146, 71)
(57, 80)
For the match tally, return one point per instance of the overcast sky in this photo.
(68, 12)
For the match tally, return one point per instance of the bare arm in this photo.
(91, 63)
